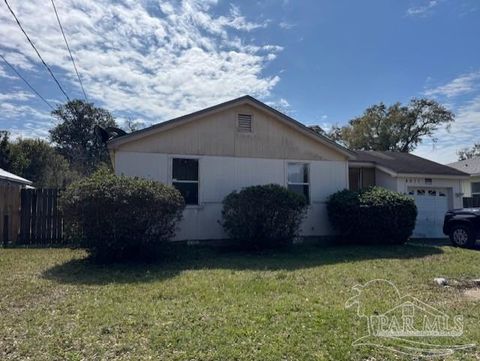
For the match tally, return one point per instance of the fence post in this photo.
(5, 230)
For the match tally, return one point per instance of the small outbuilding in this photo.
(10, 189)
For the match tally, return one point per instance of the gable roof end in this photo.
(247, 99)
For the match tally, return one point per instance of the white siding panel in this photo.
(221, 175)
(385, 180)
(145, 165)
(326, 178)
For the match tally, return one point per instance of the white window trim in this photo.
(287, 182)
(171, 180)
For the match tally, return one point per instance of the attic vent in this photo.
(245, 123)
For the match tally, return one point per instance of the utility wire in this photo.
(26, 82)
(70, 52)
(33, 46)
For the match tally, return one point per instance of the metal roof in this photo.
(13, 178)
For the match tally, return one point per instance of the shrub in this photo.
(374, 215)
(116, 217)
(263, 216)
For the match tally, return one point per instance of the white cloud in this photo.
(286, 25)
(16, 95)
(154, 59)
(282, 105)
(4, 73)
(424, 9)
(462, 85)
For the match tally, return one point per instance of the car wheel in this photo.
(462, 236)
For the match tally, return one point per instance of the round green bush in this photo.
(263, 216)
(373, 215)
(116, 217)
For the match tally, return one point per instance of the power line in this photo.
(33, 46)
(68, 47)
(26, 82)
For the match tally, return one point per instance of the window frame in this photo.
(172, 180)
(474, 194)
(308, 184)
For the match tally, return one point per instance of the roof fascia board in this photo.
(358, 164)
(15, 180)
(443, 176)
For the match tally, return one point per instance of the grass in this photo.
(212, 304)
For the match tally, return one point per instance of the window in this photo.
(244, 123)
(432, 193)
(185, 178)
(420, 192)
(298, 179)
(360, 178)
(476, 188)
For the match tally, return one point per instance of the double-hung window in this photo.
(298, 179)
(185, 178)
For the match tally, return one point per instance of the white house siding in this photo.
(220, 175)
(385, 180)
(467, 185)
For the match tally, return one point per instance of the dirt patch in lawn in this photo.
(472, 294)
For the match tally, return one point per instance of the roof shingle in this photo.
(470, 166)
(406, 163)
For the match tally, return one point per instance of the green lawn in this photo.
(212, 304)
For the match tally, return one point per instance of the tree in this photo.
(469, 153)
(395, 128)
(5, 150)
(36, 160)
(75, 138)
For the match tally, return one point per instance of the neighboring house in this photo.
(239, 143)
(471, 186)
(434, 187)
(7, 178)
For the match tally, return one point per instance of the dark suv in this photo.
(462, 226)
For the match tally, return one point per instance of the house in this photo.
(471, 186)
(239, 143)
(434, 187)
(243, 142)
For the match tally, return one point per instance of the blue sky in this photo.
(322, 62)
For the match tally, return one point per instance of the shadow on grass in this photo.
(180, 258)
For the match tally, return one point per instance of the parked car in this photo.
(462, 226)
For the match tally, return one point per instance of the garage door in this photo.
(432, 203)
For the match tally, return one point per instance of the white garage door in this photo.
(432, 203)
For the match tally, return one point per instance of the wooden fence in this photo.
(471, 202)
(40, 219)
(9, 212)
